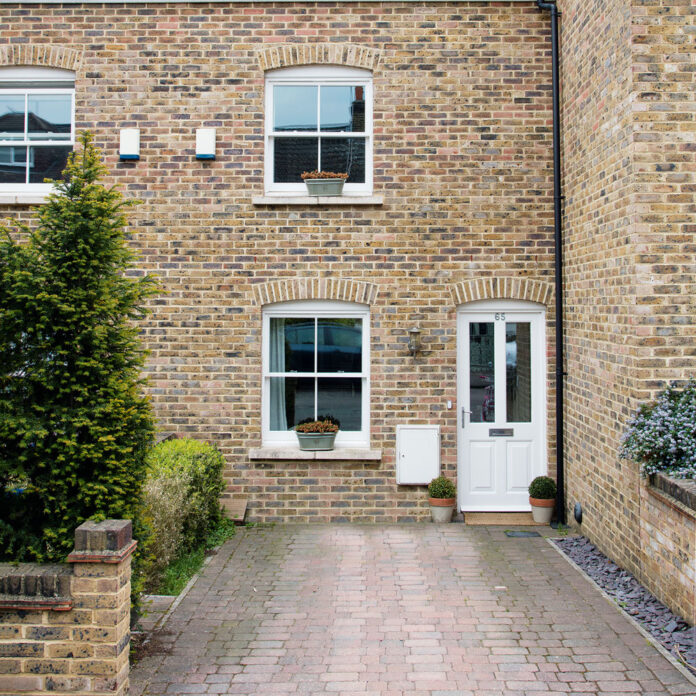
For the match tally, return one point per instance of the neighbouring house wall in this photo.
(67, 629)
(463, 161)
(628, 137)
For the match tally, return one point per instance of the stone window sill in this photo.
(339, 454)
(23, 198)
(317, 200)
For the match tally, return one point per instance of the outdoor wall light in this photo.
(414, 343)
(205, 143)
(129, 148)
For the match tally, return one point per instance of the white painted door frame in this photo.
(512, 459)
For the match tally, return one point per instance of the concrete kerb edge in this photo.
(650, 638)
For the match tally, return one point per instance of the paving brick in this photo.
(296, 572)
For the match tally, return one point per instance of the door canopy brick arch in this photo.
(288, 55)
(315, 289)
(45, 56)
(502, 289)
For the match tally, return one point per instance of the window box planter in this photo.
(325, 187)
(316, 442)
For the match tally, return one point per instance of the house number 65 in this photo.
(500, 316)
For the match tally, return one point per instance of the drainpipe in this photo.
(558, 246)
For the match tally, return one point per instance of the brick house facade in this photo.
(456, 208)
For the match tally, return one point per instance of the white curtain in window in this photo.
(279, 420)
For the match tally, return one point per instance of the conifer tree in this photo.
(74, 423)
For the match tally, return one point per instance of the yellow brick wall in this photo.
(462, 158)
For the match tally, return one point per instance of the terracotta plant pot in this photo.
(542, 509)
(441, 509)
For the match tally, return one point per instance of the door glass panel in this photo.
(518, 372)
(481, 372)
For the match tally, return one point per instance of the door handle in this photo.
(464, 412)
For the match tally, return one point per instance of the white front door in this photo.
(502, 404)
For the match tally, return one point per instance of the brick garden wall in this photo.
(66, 629)
(462, 160)
(628, 136)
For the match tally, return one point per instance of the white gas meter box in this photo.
(417, 454)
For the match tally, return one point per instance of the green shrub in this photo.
(543, 488)
(662, 435)
(201, 465)
(441, 487)
(74, 423)
(164, 507)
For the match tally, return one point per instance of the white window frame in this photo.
(320, 75)
(313, 309)
(29, 80)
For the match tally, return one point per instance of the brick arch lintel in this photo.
(342, 289)
(48, 56)
(508, 288)
(287, 55)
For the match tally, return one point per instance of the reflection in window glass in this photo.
(342, 108)
(344, 155)
(13, 164)
(342, 399)
(12, 116)
(340, 345)
(291, 345)
(481, 372)
(292, 400)
(48, 162)
(48, 116)
(292, 156)
(295, 107)
(518, 363)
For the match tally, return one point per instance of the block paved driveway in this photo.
(418, 610)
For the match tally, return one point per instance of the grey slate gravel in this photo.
(668, 628)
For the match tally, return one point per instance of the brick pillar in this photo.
(101, 597)
(67, 628)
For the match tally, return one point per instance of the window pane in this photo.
(13, 169)
(49, 116)
(342, 109)
(292, 156)
(481, 372)
(518, 359)
(11, 116)
(292, 400)
(295, 107)
(344, 155)
(340, 345)
(47, 162)
(291, 345)
(342, 399)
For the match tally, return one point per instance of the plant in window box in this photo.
(442, 498)
(321, 183)
(317, 435)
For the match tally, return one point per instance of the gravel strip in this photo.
(668, 628)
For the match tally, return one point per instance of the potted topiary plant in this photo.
(324, 183)
(542, 498)
(442, 499)
(317, 435)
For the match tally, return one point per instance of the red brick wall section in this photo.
(462, 159)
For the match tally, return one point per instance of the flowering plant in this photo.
(662, 434)
(323, 175)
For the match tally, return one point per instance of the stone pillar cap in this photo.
(106, 541)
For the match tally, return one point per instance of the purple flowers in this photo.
(662, 435)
